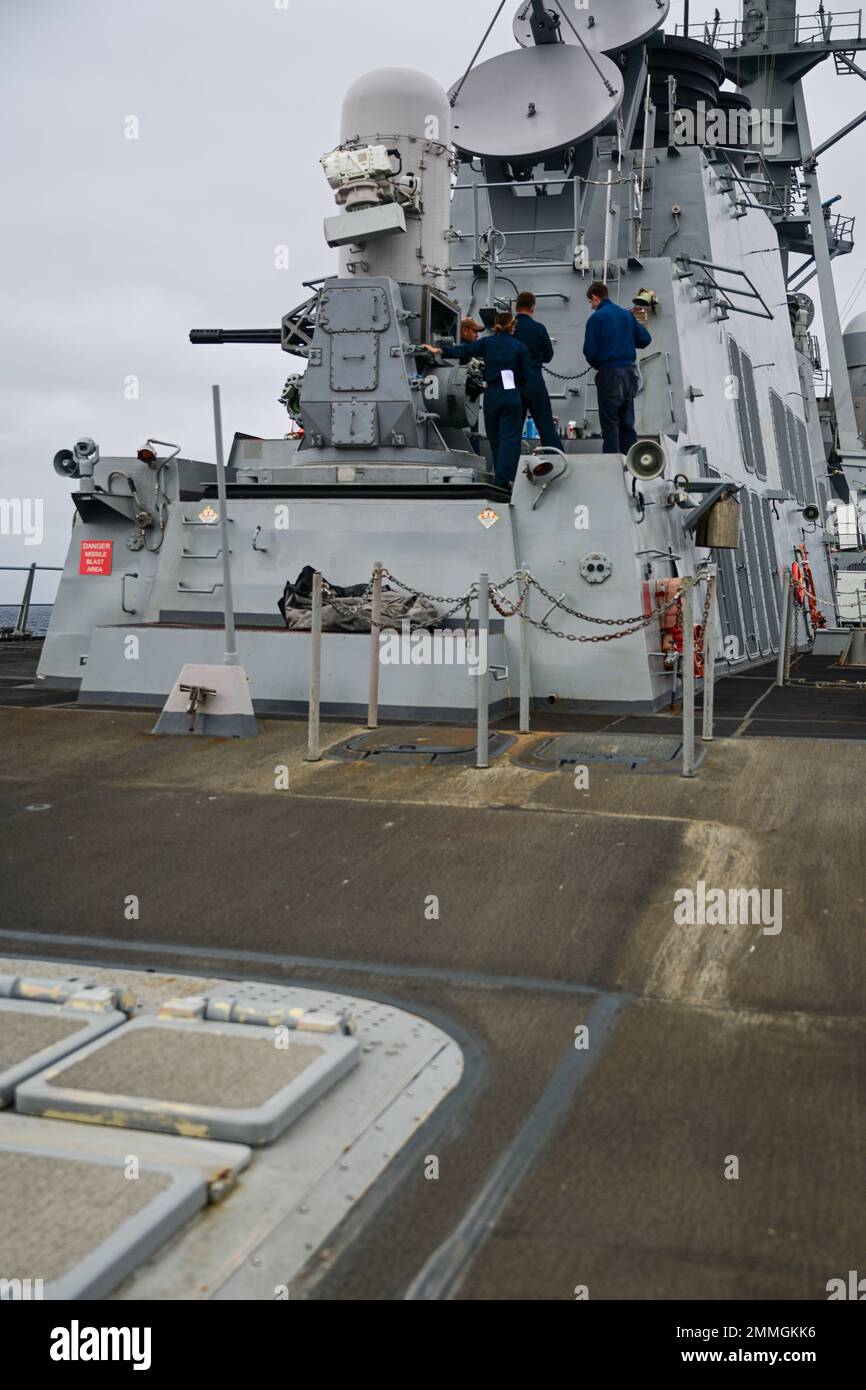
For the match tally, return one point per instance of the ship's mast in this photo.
(769, 53)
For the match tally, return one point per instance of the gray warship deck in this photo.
(558, 1168)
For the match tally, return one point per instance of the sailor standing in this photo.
(506, 372)
(536, 340)
(470, 332)
(613, 335)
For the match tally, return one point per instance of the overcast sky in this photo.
(112, 248)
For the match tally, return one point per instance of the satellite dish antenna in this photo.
(534, 101)
(606, 26)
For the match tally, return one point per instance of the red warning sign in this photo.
(95, 557)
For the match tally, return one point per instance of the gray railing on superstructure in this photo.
(20, 628)
(819, 27)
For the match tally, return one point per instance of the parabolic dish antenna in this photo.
(533, 101)
(606, 26)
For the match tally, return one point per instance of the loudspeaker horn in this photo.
(65, 464)
(645, 460)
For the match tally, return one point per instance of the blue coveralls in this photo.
(536, 401)
(612, 337)
(503, 409)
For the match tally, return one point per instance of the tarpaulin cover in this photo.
(351, 612)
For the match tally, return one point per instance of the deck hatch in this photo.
(34, 1035)
(424, 745)
(193, 1077)
(633, 752)
(79, 1225)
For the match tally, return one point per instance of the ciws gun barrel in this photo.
(235, 335)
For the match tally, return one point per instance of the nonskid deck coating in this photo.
(542, 889)
(184, 1067)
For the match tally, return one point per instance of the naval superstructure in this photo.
(677, 168)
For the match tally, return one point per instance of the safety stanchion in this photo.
(709, 649)
(688, 677)
(525, 676)
(313, 755)
(375, 630)
(785, 598)
(482, 693)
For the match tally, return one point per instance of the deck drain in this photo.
(425, 745)
(632, 752)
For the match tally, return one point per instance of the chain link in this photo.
(562, 376)
(641, 618)
(627, 626)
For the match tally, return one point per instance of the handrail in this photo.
(20, 628)
(820, 27)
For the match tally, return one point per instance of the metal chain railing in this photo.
(627, 626)
(487, 595)
(565, 376)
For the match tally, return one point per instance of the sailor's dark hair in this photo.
(597, 290)
(504, 321)
(525, 300)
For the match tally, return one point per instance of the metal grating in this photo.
(751, 645)
(762, 585)
(742, 407)
(756, 584)
(783, 444)
(729, 604)
(801, 435)
(753, 415)
(794, 450)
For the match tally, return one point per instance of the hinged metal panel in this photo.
(354, 362)
(353, 424)
(354, 309)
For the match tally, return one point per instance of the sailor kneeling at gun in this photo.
(613, 335)
(506, 372)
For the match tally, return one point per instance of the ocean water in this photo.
(40, 615)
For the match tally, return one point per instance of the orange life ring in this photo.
(798, 583)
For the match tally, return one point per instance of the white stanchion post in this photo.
(375, 630)
(313, 754)
(525, 678)
(231, 654)
(688, 677)
(482, 677)
(784, 593)
(789, 630)
(710, 657)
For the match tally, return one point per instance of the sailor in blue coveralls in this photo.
(613, 336)
(536, 340)
(506, 373)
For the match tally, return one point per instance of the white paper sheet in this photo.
(508, 381)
